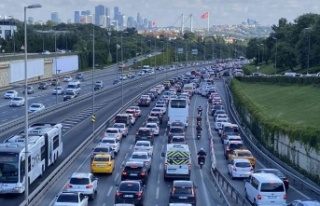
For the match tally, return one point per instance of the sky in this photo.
(168, 12)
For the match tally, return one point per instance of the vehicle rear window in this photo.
(106, 141)
(101, 159)
(144, 132)
(276, 172)
(231, 130)
(244, 154)
(79, 181)
(68, 198)
(118, 126)
(178, 103)
(182, 190)
(133, 168)
(177, 140)
(272, 187)
(236, 146)
(129, 187)
(139, 156)
(112, 131)
(142, 144)
(101, 149)
(151, 126)
(243, 164)
(176, 130)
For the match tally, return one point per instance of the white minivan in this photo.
(265, 189)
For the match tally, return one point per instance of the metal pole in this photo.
(167, 60)
(275, 56)
(155, 60)
(141, 53)
(26, 177)
(55, 57)
(121, 71)
(93, 78)
(308, 54)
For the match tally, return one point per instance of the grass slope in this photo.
(293, 104)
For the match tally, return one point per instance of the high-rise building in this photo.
(99, 11)
(90, 19)
(116, 13)
(108, 21)
(138, 19)
(77, 17)
(103, 21)
(130, 22)
(54, 17)
(107, 13)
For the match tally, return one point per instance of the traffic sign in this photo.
(93, 118)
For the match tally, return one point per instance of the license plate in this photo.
(272, 197)
(100, 165)
(129, 196)
(133, 174)
(183, 198)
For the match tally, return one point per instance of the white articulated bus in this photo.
(178, 111)
(44, 147)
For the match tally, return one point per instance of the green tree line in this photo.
(108, 41)
(291, 45)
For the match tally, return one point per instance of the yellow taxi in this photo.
(243, 154)
(102, 163)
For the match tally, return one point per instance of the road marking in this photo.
(126, 156)
(160, 166)
(158, 178)
(109, 191)
(130, 147)
(104, 204)
(162, 147)
(157, 193)
(115, 179)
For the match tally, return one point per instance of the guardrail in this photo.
(213, 169)
(267, 157)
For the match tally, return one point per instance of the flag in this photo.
(205, 15)
(154, 23)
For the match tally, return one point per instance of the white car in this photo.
(10, 94)
(67, 79)
(71, 199)
(156, 111)
(155, 128)
(221, 116)
(132, 118)
(17, 102)
(142, 157)
(162, 107)
(143, 146)
(58, 91)
(123, 128)
(231, 138)
(217, 123)
(240, 168)
(36, 107)
(123, 77)
(113, 142)
(114, 133)
(79, 182)
(137, 109)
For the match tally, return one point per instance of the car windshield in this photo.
(177, 140)
(244, 154)
(139, 156)
(272, 187)
(234, 146)
(118, 126)
(130, 187)
(79, 181)
(101, 149)
(229, 130)
(151, 126)
(243, 164)
(108, 141)
(101, 159)
(10, 92)
(142, 144)
(68, 198)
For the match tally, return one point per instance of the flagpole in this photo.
(208, 23)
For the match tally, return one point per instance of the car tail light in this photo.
(228, 149)
(93, 164)
(259, 197)
(69, 186)
(189, 165)
(139, 194)
(234, 168)
(286, 180)
(146, 162)
(118, 193)
(89, 186)
(192, 192)
(285, 196)
(124, 173)
(142, 173)
(251, 168)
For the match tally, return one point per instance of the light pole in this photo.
(109, 34)
(141, 53)
(121, 47)
(275, 56)
(155, 60)
(162, 52)
(262, 53)
(308, 67)
(26, 177)
(258, 60)
(93, 62)
(167, 62)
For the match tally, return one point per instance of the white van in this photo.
(73, 87)
(265, 189)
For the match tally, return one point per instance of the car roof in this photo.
(81, 175)
(143, 141)
(102, 154)
(241, 160)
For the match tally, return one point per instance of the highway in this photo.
(157, 192)
(292, 194)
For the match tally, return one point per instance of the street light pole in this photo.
(262, 53)
(167, 62)
(155, 60)
(26, 166)
(275, 56)
(56, 66)
(93, 62)
(121, 47)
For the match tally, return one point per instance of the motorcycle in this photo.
(198, 135)
(200, 112)
(201, 161)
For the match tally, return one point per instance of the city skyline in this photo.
(166, 13)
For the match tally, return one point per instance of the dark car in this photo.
(130, 192)
(215, 108)
(43, 85)
(145, 133)
(116, 81)
(151, 96)
(175, 131)
(277, 173)
(70, 96)
(55, 82)
(97, 87)
(158, 115)
(29, 90)
(80, 76)
(183, 191)
(144, 102)
(153, 119)
(220, 111)
(135, 171)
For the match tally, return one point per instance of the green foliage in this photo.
(281, 80)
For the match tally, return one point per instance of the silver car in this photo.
(17, 102)
(143, 146)
(36, 107)
(58, 91)
(144, 157)
(10, 94)
(79, 183)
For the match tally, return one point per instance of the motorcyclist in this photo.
(199, 120)
(199, 109)
(199, 129)
(201, 155)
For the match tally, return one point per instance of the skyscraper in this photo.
(99, 11)
(54, 17)
(77, 17)
(107, 12)
(116, 13)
